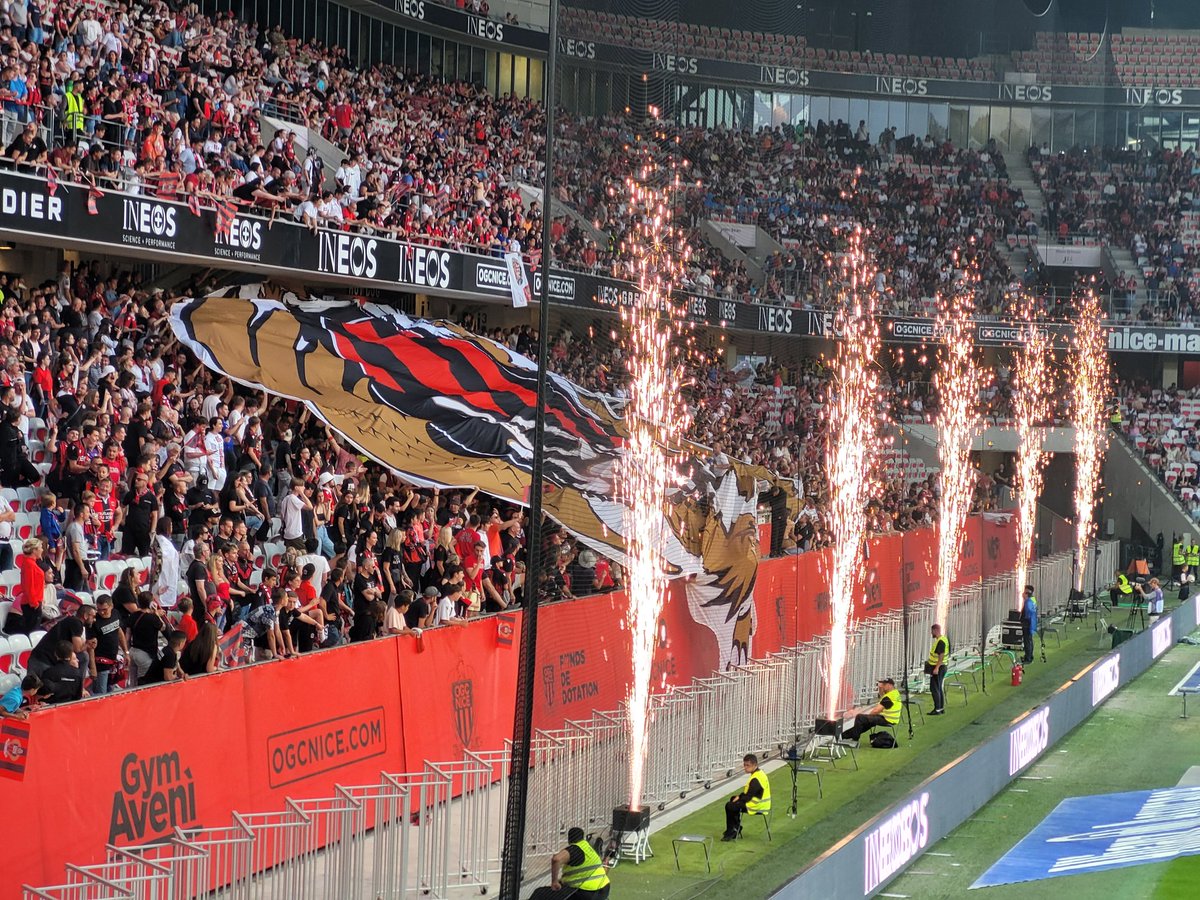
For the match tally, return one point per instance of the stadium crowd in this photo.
(217, 505)
(159, 99)
(1161, 425)
(1137, 198)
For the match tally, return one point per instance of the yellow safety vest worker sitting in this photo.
(577, 866)
(885, 712)
(755, 798)
(1122, 590)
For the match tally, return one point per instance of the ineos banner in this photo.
(148, 226)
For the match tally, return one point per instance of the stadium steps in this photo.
(331, 154)
(531, 193)
(1122, 258)
(1147, 500)
(1021, 176)
(750, 258)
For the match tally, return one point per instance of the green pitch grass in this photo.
(753, 867)
(1134, 742)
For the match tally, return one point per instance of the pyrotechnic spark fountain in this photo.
(1090, 388)
(1032, 387)
(959, 380)
(655, 416)
(851, 451)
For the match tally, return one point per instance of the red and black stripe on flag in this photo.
(226, 210)
(506, 629)
(14, 748)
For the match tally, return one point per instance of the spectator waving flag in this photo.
(193, 203)
(234, 649)
(226, 212)
(14, 748)
(94, 194)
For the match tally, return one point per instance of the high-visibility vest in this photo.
(588, 875)
(73, 120)
(763, 803)
(1193, 555)
(1115, 418)
(1177, 555)
(892, 713)
(941, 647)
(1123, 584)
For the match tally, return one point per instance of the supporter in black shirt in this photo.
(106, 630)
(72, 629)
(197, 580)
(26, 148)
(166, 667)
(62, 681)
(417, 614)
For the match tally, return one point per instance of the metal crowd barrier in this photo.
(437, 833)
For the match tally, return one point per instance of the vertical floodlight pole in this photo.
(518, 782)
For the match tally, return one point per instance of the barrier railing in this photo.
(436, 832)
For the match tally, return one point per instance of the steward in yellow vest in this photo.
(578, 866)
(885, 712)
(754, 799)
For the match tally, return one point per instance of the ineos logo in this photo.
(414, 9)
(485, 28)
(778, 321)
(347, 254)
(577, 49)
(669, 62)
(245, 234)
(149, 218)
(420, 265)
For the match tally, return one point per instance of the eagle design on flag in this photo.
(445, 407)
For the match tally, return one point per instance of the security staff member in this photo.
(1178, 560)
(1029, 622)
(935, 668)
(1193, 558)
(755, 798)
(1121, 591)
(885, 712)
(578, 868)
(73, 120)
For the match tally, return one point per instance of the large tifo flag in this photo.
(446, 407)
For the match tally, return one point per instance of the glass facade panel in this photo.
(858, 113)
(818, 110)
(1191, 130)
(1063, 137)
(1171, 122)
(999, 126)
(980, 127)
(877, 118)
(1042, 126)
(960, 123)
(939, 121)
(537, 78)
(917, 120)
(1085, 127)
(1019, 128)
(839, 108)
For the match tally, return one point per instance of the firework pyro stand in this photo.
(631, 833)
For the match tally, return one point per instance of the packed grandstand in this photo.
(163, 101)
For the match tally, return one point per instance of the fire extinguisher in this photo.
(1018, 671)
